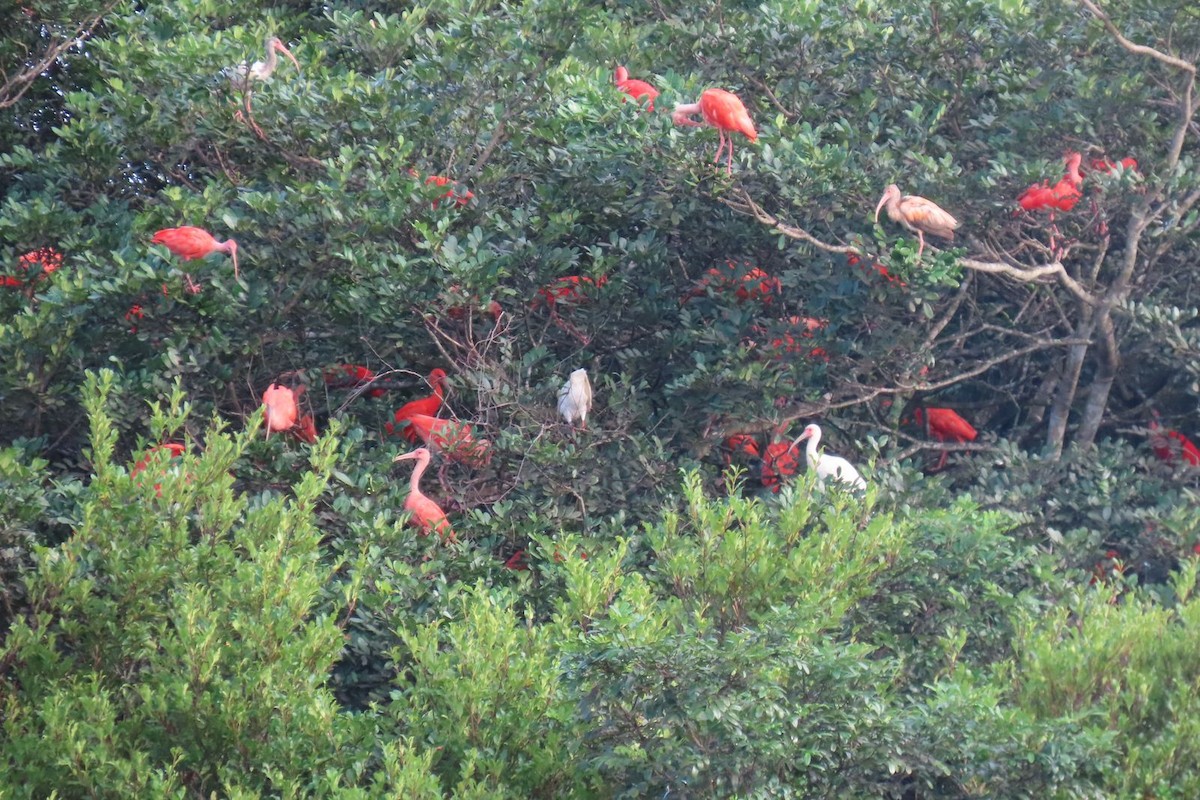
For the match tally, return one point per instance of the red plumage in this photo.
(725, 110)
(428, 406)
(190, 243)
(635, 88)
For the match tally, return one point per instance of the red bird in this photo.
(305, 429)
(566, 290)
(356, 375)
(461, 194)
(786, 344)
(428, 406)
(190, 243)
(739, 444)
(425, 513)
(946, 425)
(855, 261)
(1169, 451)
(780, 461)
(175, 450)
(45, 260)
(634, 88)
(1062, 196)
(723, 111)
(282, 410)
(1104, 165)
(452, 438)
(752, 284)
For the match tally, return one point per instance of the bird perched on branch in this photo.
(453, 439)
(945, 425)
(191, 243)
(245, 74)
(575, 398)
(425, 513)
(919, 215)
(634, 88)
(828, 466)
(428, 406)
(723, 111)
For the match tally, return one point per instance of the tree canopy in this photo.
(663, 599)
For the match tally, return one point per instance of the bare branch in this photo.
(14, 88)
(746, 205)
(1139, 49)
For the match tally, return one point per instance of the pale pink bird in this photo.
(426, 514)
(282, 410)
(917, 214)
(723, 111)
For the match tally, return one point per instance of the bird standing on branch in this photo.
(919, 215)
(245, 75)
(946, 425)
(825, 465)
(575, 398)
(191, 243)
(428, 406)
(426, 514)
(723, 111)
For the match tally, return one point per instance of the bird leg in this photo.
(921, 248)
(192, 286)
(729, 162)
(720, 146)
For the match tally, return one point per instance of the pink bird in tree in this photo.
(282, 411)
(634, 88)
(453, 439)
(424, 512)
(191, 243)
(721, 110)
(919, 215)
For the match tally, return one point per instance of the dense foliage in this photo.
(625, 608)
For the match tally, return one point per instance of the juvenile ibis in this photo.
(245, 74)
(917, 214)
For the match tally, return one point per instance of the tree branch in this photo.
(14, 88)
(1139, 49)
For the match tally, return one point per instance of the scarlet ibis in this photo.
(424, 512)
(946, 425)
(45, 260)
(1169, 451)
(174, 450)
(245, 74)
(723, 111)
(460, 193)
(353, 375)
(567, 289)
(282, 410)
(1062, 196)
(855, 261)
(745, 281)
(634, 88)
(780, 461)
(917, 214)
(452, 438)
(428, 406)
(575, 398)
(1104, 165)
(825, 465)
(740, 444)
(190, 243)
(305, 429)
(134, 314)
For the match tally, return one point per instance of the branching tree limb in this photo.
(15, 86)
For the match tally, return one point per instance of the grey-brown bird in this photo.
(918, 215)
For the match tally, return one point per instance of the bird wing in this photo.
(724, 110)
(928, 216)
(951, 425)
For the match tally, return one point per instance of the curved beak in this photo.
(882, 200)
(233, 257)
(798, 440)
(283, 49)
(404, 456)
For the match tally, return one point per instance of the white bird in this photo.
(827, 466)
(575, 398)
(246, 73)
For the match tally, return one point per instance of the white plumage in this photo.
(827, 466)
(245, 73)
(575, 398)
